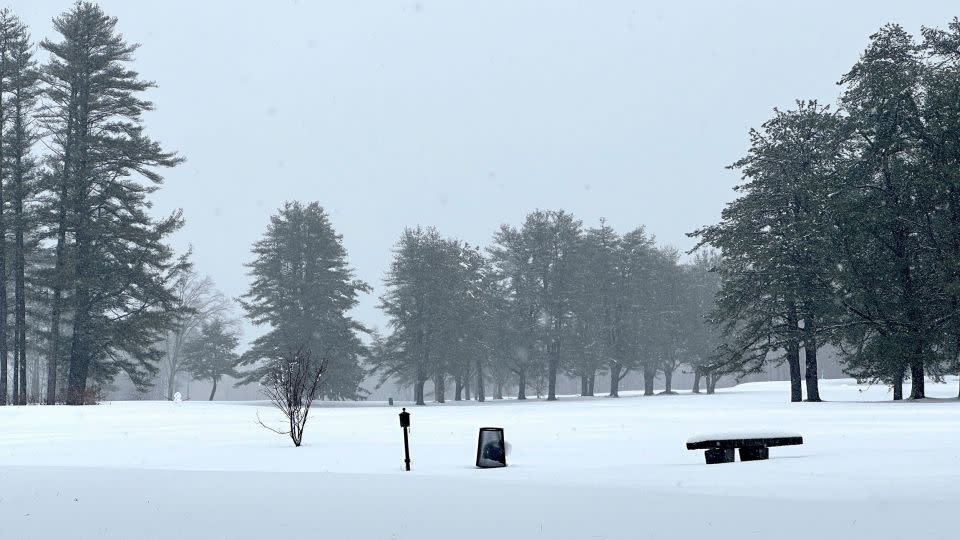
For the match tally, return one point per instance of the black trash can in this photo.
(491, 448)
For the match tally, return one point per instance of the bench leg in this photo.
(754, 453)
(719, 455)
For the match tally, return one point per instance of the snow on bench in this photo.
(741, 435)
(753, 445)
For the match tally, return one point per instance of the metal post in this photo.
(406, 447)
(405, 425)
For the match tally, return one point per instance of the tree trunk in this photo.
(421, 375)
(15, 399)
(81, 346)
(172, 376)
(53, 356)
(584, 385)
(668, 381)
(696, 381)
(457, 389)
(3, 381)
(898, 386)
(481, 391)
(649, 376)
(418, 391)
(812, 378)
(522, 384)
(615, 380)
(23, 380)
(60, 265)
(498, 391)
(19, 257)
(80, 353)
(35, 381)
(590, 378)
(793, 355)
(917, 390)
(810, 356)
(213, 391)
(552, 369)
(439, 388)
(712, 383)
(19, 386)
(796, 385)
(3, 266)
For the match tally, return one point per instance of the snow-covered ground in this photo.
(579, 468)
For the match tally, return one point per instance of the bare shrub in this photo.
(292, 384)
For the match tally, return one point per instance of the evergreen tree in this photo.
(593, 335)
(409, 352)
(701, 285)
(435, 303)
(519, 339)
(105, 171)
(500, 337)
(940, 148)
(12, 35)
(492, 334)
(466, 318)
(886, 273)
(665, 317)
(22, 185)
(635, 296)
(211, 354)
(614, 299)
(18, 93)
(774, 244)
(303, 291)
(848, 227)
(552, 238)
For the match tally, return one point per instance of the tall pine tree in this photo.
(117, 266)
(303, 290)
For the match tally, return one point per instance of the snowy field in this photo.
(579, 469)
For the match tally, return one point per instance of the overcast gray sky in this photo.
(465, 115)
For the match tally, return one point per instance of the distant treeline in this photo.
(545, 299)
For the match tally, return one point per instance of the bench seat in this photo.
(753, 445)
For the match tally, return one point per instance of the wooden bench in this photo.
(753, 446)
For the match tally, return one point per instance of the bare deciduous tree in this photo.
(198, 301)
(291, 385)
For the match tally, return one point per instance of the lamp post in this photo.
(405, 425)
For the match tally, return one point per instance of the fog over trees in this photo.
(844, 233)
(547, 299)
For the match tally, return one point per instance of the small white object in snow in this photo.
(177, 398)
